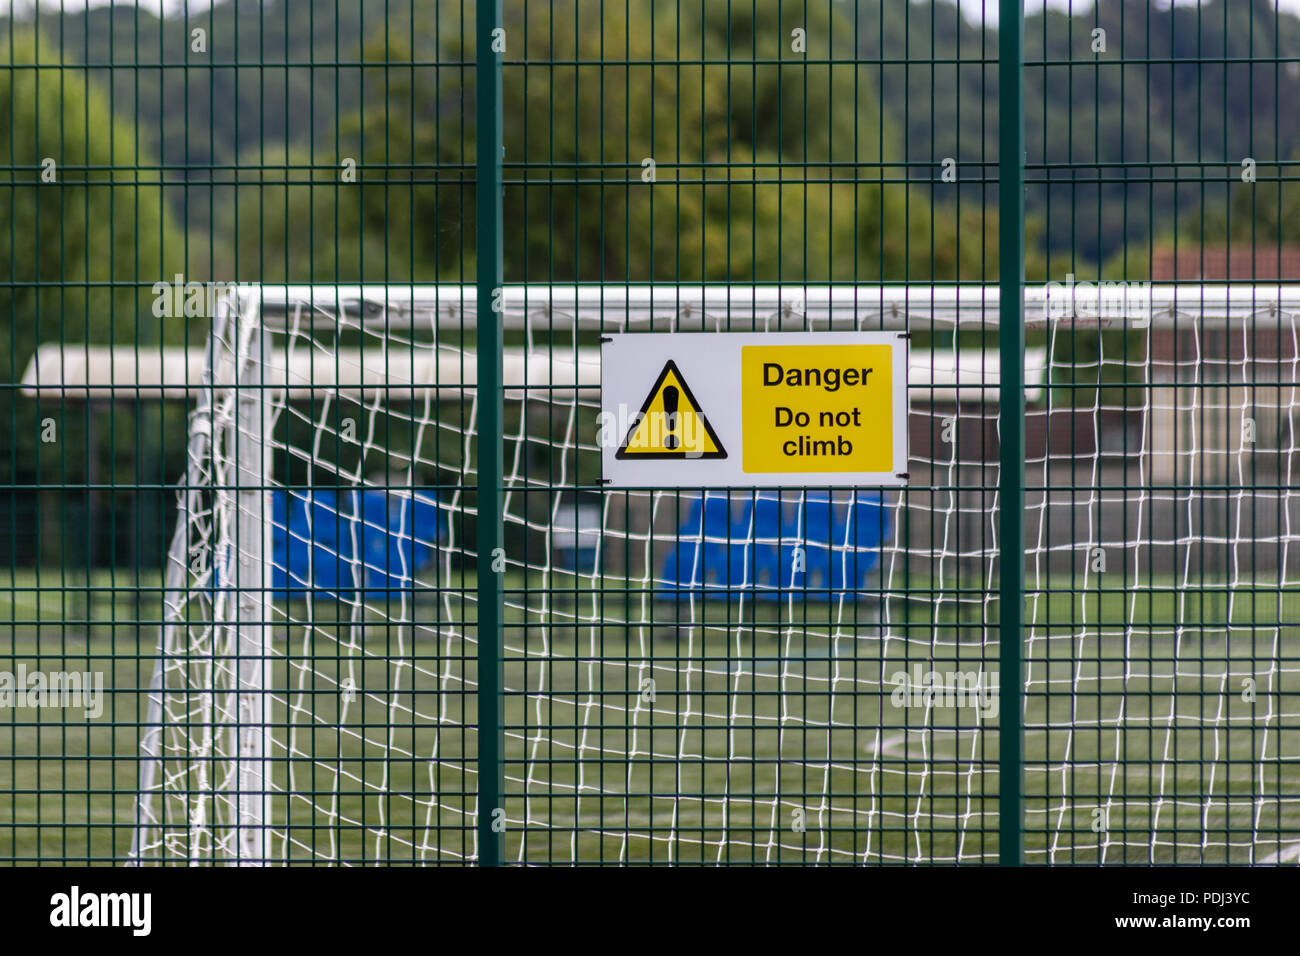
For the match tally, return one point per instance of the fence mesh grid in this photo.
(261, 544)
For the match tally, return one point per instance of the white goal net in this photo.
(675, 691)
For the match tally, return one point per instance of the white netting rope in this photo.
(650, 721)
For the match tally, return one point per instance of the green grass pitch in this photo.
(641, 731)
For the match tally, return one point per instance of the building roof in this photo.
(1219, 263)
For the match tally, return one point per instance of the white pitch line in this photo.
(889, 746)
(1289, 855)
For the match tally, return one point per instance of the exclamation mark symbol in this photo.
(671, 441)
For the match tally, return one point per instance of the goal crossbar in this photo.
(400, 373)
(614, 307)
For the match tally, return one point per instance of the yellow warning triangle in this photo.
(671, 423)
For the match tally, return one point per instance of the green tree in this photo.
(385, 203)
(86, 235)
(769, 163)
(755, 146)
(1265, 212)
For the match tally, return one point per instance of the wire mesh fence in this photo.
(310, 559)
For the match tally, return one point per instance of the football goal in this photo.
(679, 687)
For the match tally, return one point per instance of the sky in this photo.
(974, 10)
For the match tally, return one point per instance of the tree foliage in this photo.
(639, 148)
(86, 233)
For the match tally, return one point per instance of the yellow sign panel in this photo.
(671, 424)
(817, 408)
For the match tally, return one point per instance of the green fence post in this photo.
(491, 709)
(1011, 425)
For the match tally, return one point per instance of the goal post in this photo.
(228, 478)
(316, 683)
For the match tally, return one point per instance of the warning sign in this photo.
(671, 424)
(709, 409)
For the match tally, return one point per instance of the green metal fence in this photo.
(309, 556)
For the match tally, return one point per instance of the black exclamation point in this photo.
(670, 410)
